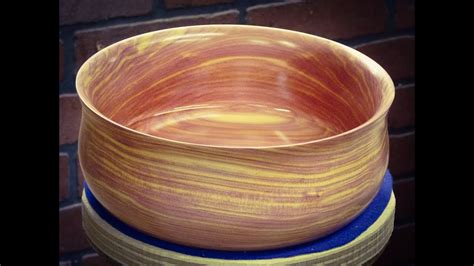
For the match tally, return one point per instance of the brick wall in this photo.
(382, 29)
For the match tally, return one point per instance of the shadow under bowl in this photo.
(233, 137)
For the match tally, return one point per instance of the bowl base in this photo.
(357, 243)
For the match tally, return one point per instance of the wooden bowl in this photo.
(233, 137)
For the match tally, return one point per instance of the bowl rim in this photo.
(381, 111)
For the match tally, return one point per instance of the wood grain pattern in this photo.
(233, 137)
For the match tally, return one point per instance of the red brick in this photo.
(405, 14)
(69, 118)
(190, 3)
(63, 176)
(402, 111)
(80, 178)
(94, 260)
(402, 154)
(80, 11)
(396, 55)
(61, 60)
(71, 234)
(333, 19)
(405, 193)
(89, 42)
(401, 247)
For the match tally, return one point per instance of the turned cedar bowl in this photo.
(233, 137)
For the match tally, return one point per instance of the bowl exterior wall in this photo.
(232, 198)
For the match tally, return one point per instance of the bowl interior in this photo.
(238, 86)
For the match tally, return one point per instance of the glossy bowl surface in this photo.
(233, 137)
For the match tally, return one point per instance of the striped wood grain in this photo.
(233, 137)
